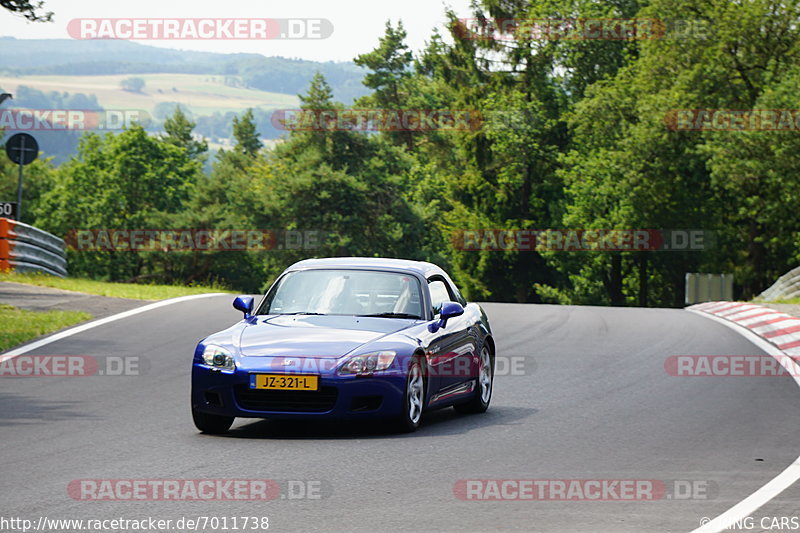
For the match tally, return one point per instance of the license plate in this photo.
(284, 382)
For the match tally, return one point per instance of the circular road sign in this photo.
(22, 148)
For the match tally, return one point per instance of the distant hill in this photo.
(212, 88)
(68, 57)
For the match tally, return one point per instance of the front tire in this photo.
(211, 424)
(483, 395)
(413, 399)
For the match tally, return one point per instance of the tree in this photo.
(319, 94)
(390, 66)
(134, 84)
(244, 131)
(757, 174)
(123, 181)
(626, 169)
(39, 178)
(339, 148)
(222, 201)
(29, 10)
(350, 186)
(501, 172)
(179, 130)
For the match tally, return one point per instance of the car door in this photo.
(452, 349)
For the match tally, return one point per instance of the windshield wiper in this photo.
(392, 315)
(300, 313)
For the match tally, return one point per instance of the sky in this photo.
(356, 24)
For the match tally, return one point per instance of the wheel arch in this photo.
(419, 353)
(489, 341)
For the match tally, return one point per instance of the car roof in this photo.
(370, 263)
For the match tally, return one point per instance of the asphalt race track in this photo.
(589, 399)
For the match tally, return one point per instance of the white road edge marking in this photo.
(782, 481)
(100, 322)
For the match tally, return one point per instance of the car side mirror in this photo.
(244, 304)
(449, 310)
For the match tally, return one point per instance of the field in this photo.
(202, 94)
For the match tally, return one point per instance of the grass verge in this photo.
(106, 288)
(792, 301)
(20, 325)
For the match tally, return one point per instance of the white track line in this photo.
(100, 322)
(782, 481)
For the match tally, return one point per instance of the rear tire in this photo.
(211, 424)
(483, 395)
(413, 398)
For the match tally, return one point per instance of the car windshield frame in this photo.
(421, 313)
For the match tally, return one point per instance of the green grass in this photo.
(20, 325)
(795, 301)
(106, 288)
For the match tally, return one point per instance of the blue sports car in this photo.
(347, 338)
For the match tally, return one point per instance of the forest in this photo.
(688, 127)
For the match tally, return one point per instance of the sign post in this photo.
(21, 149)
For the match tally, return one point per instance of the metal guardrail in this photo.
(708, 288)
(787, 287)
(24, 248)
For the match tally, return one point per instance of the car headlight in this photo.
(361, 365)
(218, 357)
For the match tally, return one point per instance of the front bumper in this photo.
(229, 394)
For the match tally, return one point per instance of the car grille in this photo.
(287, 400)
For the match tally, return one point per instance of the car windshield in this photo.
(345, 292)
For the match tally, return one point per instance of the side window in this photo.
(439, 294)
(457, 293)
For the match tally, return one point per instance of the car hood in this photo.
(314, 336)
